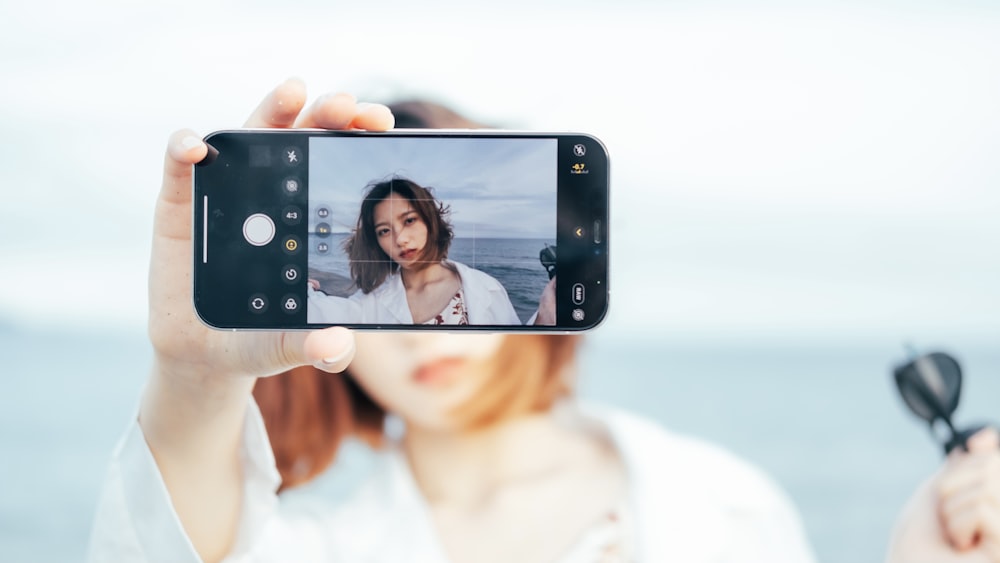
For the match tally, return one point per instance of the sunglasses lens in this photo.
(930, 385)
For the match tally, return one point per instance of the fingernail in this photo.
(370, 109)
(334, 359)
(190, 142)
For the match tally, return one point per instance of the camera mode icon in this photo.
(291, 186)
(290, 274)
(291, 215)
(291, 245)
(292, 156)
(290, 304)
(258, 303)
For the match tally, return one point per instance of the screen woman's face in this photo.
(400, 231)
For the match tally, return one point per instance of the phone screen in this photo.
(477, 230)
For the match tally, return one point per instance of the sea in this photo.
(823, 420)
(514, 262)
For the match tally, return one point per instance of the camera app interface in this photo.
(415, 230)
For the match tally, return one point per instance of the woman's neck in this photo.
(418, 279)
(466, 468)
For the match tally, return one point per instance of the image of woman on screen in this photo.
(398, 254)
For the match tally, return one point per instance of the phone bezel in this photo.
(200, 226)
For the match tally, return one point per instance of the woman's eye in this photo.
(410, 220)
(381, 232)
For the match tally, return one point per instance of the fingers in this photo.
(331, 111)
(986, 440)
(969, 518)
(342, 111)
(281, 107)
(969, 495)
(373, 117)
(969, 470)
(330, 349)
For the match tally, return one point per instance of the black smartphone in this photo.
(414, 229)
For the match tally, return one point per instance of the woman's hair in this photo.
(369, 263)
(308, 413)
(421, 114)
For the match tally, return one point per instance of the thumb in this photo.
(330, 349)
(173, 220)
(184, 149)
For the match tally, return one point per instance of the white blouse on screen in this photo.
(486, 302)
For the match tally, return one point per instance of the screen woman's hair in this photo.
(370, 265)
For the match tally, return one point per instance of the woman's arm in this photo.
(194, 406)
(323, 308)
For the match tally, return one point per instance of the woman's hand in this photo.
(547, 305)
(184, 346)
(955, 517)
(194, 407)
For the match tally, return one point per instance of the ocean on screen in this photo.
(513, 262)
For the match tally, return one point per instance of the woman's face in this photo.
(399, 230)
(422, 377)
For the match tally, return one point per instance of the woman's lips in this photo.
(407, 254)
(438, 372)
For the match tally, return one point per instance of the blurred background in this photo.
(798, 189)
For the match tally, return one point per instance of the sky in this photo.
(500, 188)
(825, 169)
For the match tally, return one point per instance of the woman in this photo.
(488, 469)
(496, 465)
(398, 256)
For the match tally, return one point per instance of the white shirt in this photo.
(486, 300)
(688, 502)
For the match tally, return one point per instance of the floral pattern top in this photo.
(454, 313)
